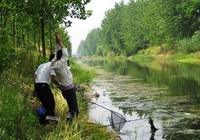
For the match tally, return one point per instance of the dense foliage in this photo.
(129, 28)
(26, 23)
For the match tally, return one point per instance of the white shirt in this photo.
(43, 73)
(62, 70)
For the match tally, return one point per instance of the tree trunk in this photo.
(14, 32)
(51, 46)
(43, 41)
(39, 41)
(34, 40)
(18, 40)
(23, 38)
(1, 20)
(50, 28)
(28, 40)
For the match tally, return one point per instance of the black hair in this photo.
(51, 57)
(68, 62)
(59, 54)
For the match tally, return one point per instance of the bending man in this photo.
(43, 76)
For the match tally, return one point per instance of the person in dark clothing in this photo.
(43, 77)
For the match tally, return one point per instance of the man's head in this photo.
(59, 54)
(51, 57)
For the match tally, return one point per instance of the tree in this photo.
(91, 42)
(111, 29)
(21, 19)
(82, 49)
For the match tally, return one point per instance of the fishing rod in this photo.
(121, 122)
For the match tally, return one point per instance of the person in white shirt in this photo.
(43, 77)
(65, 78)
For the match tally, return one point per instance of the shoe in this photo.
(52, 118)
(70, 117)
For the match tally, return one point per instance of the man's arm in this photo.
(59, 40)
(65, 54)
(55, 80)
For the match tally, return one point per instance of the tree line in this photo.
(31, 23)
(140, 24)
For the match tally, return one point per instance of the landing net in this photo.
(117, 121)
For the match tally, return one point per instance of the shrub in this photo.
(7, 55)
(189, 45)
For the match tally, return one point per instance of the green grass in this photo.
(81, 76)
(16, 116)
(17, 106)
(154, 54)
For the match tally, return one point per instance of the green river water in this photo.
(169, 93)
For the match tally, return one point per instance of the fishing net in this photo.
(117, 121)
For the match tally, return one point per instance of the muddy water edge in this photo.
(169, 93)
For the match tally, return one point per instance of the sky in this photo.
(80, 28)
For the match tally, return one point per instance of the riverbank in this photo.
(156, 54)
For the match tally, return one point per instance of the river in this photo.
(169, 93)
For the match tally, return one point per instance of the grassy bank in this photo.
(156, 54)
(17, 104)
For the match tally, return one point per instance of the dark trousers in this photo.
(46, 97)
(70, 97)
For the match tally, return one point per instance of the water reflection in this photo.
(170, 92)
(182, 79)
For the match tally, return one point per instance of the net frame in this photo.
(117, 121)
